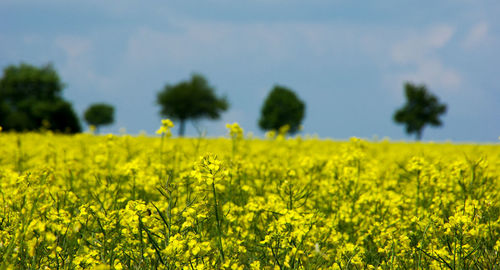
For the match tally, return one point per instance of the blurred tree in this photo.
(282, 107)
(31, 98)
(421, 108)
(99, 114)
(191, 99)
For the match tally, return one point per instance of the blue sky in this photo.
(347, 60)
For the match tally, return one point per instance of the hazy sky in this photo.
(347, 60)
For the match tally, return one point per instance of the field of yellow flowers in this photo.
(122, 202)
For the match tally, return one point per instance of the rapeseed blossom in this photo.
(122, 202)
(165, 129)
(235, 131)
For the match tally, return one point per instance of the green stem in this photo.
(218, 222)
(418, 193)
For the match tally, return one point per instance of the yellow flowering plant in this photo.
(165, 129)
(124, 202)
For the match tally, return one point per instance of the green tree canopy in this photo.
(31, 98)
(422, 108)
(99, 114)
(191, 99)
(282, 107)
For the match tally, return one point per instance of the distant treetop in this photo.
(99, 114)
(191, 99)
(422, 108)
(282, 107)
(31, 98)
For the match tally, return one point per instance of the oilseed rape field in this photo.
(121, 202)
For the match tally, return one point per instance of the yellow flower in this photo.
(209, 170)
(166, 125)
(235, 131)
(284, 130)
(271, 134)
(118, 265)
(255, 265)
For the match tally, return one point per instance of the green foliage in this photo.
(99, 114)
(282, 107)
(191, 99)
(31, 98)
(421, 108)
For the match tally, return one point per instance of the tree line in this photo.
(31, 99)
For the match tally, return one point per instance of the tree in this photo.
(191, 99)
(421, 108)
(99, 114)
(282, 107)
(31, 98)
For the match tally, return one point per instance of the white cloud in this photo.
(202, 41)
(420, 53)
(78, 63)
(476, 36)
(434, 74)
(32, 39)
(208, 41)
(145, 45)
(420, 46)
(439, 36)
(73, 46)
